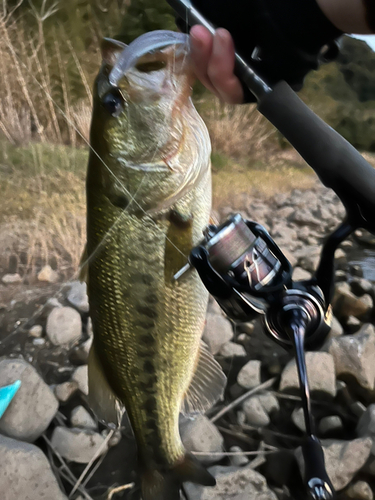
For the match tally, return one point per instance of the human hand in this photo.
(213, 62)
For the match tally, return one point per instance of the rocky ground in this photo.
(52, 447)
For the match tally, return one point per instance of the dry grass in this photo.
(238, 132)
(42, 215)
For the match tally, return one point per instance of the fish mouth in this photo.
(146, 43)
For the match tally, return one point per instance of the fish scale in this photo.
(147, 327)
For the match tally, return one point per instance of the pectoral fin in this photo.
(102, 399)
(207, 385)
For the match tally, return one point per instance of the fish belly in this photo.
(147, 328)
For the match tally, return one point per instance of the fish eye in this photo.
(114, 102)
(148, 67)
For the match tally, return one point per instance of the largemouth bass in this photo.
(148, 201)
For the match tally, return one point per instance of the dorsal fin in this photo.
(207, 385)
(111, 50)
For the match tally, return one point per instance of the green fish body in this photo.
(148, 201)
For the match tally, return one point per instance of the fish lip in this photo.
(148, 42)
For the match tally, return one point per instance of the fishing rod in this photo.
(246, 272)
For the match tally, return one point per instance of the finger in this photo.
(220, 69)
(201, 43)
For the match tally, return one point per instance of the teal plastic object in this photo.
(7, 393)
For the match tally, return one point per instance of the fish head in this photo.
(142, 107)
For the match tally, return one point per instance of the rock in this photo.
(358, 409)
(200, 435)
(241, 417)
(298, 419)
(269, 402)
(330, 424)
(65, 391)
(300, 274)
(249, 375)
(256, 415)
(64, 325)
(356, 270)
(230, 350)
(336, 328)
(320, 372)
(33, 407)
(218, 331)
(308, 257)
(77, 296)
(48, 274)
(10, 279)
(80, 417)
(80, 376)
(344, 459)
(360, 286)
(77, 445)
(36, 331)
(352, 324)
(25, 473)
(354, 355)
(359, 491)
(247, 328)
(240, 459)
(232, 483)
(346, 304)
(81, 352)
(366, 425)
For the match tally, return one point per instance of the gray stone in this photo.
(232, 483)
(249, 375)
(247, 328)
(320, 372)
(80, 417)
(218, 331)
(366, 425)
(240, 459)
(78, 445)
(200, 435)
(298, 419)
(231, 350)
(360, 286)
(64, 325)
(36, 331)
(81, 377)
(352, 324)
(256, 415)
(300, 274)
(48, 275)
(359, 491)
(77, 296)
(330, 424)
(25, 473)
(33, 407)
(269, 402)
(346, 304)
(354, 355)
(82, 351)
(336, 328)
(10, 279)
(344, 459)
(308, 257)
(65, 391)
